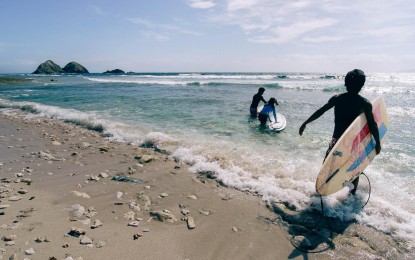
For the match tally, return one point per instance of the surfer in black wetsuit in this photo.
(347, 107)
(255, 101)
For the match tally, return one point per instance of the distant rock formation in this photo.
(116, 71)
(48, 67)
(75, 67)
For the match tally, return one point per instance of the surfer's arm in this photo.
(316, 115)
(275, 114)
(373, 128)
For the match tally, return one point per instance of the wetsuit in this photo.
(254, 105)
(263, 115)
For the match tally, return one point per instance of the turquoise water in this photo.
(202, 119)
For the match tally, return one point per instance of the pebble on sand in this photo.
(9, 238)
(80, 194)
(190, 222)
(85, 240)
(76, 211)
(133, 224)
(76, 232)
(4, 206)
(137, 236)
(29, 251)
(164, 215)
(193, 197)
(97, 223)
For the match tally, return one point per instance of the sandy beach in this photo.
(69, 193)
(56, 177)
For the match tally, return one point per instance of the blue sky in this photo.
(209, 35)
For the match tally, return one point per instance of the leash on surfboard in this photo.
(370, 188)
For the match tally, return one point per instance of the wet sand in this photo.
(67, 193)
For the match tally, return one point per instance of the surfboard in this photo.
(353, 152)
(276, 126)
(279, 125)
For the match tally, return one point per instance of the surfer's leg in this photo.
(355, 182)
(331, 145)
(262, 118)
(253, 112)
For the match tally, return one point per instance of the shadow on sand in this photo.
(310, 230)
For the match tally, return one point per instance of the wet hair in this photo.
(272, 101)
(354, 80)
(261, 90)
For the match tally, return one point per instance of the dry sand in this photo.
(57, 177)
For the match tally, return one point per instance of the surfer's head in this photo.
(354, 80)
(261, 90)
(272, 101)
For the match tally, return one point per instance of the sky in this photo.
(209, 35)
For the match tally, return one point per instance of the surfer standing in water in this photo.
(347, 107)
(255, 101)
(264, 113)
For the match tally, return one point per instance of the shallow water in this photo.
(203, 119)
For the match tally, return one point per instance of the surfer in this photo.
(255, 101)
(269, 107)
(348, 106)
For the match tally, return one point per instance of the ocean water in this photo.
(202, 119)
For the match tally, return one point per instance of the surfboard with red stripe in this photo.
(353, 152)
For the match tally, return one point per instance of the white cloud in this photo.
(155, 36)
(270, 21)
(294, 30)
(300, 4)
(234, 5)
(323, 38)
(161, 28)
(201, 4)
(283, 34)
(392, 32)
(318, 21)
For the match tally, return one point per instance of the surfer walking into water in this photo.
(268, 108)
(348, 106)
(255, 101)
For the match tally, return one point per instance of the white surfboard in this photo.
(354, 150)
(275, 126)
(279, 125)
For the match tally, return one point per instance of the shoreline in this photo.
(63, 162)
(58, 200)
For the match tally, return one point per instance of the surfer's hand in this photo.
(378, 148)
(302, 128)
